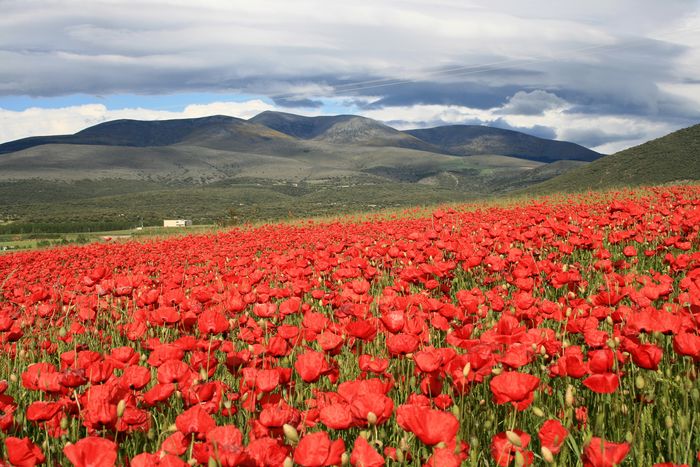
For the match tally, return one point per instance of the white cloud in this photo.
(67, 120)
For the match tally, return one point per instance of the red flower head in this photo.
(601, 453)
(603, 383)
(23, 453)
(363, 454)
(514, 387)
(317, 450)
(552, 435)
(310, 365)
(430, 426)
(503, 451)
(195, 420)
(92, 452)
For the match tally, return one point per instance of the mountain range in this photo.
(279, 164)
(277, 146)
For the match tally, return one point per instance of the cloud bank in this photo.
(605, 74)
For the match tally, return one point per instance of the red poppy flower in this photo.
(603, 383)
(517, 388)
(212, 322)
(317, 450)
(336, 416)
(92, 451)
(363, 454)
(159, 393)
(21, 452)
(687, 344)
(194, 420)
(552, 435)
(503, 451)
(310, 365)
(40, 411)
(401, 344)
(430, 426)
(646, 356)
(372, 364)
(135, 377)
(379, 404)
(160, 460)
(267, 452)
(601, 453)
(444, 457)
(173, 371)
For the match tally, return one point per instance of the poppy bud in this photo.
(683, 423)
(537, 411)
(496, 371)
(547, 455)
(121, 406)
(467, 368)
(668, 421)
(13, 378)
(569, 397)
(365, 434)
(371, 418)
(609, 320)
(22, 354)
(639, 382)
(212, 462)
(345, 459)
(288, 462)
(203, 375)
(290, 433)
(629, 437)
(143, 357)
(474, 442)
(151, 434)
(440, 445)
(192, 461)
(455, 411)
(62, 332)
(172, 428)
(64, 423)
(399, 455)
(519, 459)
(514, 439)
(695, 394)
(403, 444)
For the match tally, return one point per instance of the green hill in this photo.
(468, 140)
(671, 158)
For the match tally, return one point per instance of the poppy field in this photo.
(553, 332)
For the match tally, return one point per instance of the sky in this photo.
(607, 74)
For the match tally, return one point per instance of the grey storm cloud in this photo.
(532, 103)
(520, 58)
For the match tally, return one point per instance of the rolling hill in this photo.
(671, 158)
(467, 140)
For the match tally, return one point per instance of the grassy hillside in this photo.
(467, 140)
(675, 157)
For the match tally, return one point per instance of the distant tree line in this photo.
(64, 227)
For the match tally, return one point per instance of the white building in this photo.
(177, 223)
